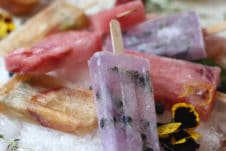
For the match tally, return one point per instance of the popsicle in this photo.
(216, 49)
(19, 7)
(55, 51)
(182, 81)
(56, 17)
(124, 100)
(177, 36)
(127, 14)
(48, 101)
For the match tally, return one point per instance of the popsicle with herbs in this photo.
(125, 103)
(177, 36)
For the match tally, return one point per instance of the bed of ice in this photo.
(39, 138)
(214, 131)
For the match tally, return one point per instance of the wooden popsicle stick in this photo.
(213, 29)
(116, 37)
(125, 13)
(117, 43)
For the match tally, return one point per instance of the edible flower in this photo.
(186, 114)
(167, 129)
(6, 24)
(200, 92)
(179, 134)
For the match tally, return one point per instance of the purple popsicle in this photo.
(177, 36)
(125, 103)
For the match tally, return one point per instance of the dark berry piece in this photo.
(127, 120)
(11, 74)
(159, 107)
(102, 123)
(148, 149)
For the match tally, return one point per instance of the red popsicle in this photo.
(53, 52)
(181, 81)
(127, 14)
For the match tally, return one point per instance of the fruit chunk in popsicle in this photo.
(177, 36)
(181, 81)
(125, 104)
(47, 101)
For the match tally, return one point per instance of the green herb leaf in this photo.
(206, 61)
(14, 145)
(160, 6)
(151, 5)
(224, 15)
(1, 136)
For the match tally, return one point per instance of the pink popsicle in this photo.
(182, 81)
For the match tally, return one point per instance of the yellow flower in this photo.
(166, 129)
(186, 114)
(3, 29)
(179, 133)
(6, 25)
